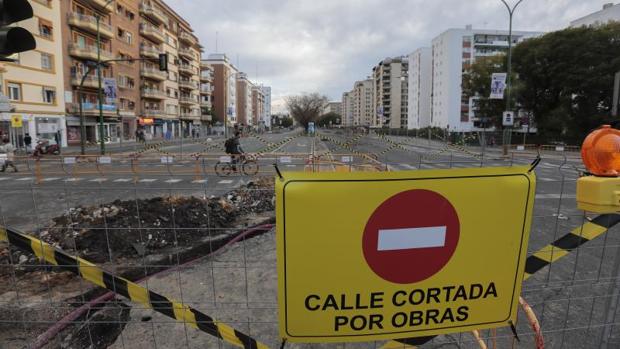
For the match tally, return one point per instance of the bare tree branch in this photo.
(306, 108)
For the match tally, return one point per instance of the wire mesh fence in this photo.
(171, 223)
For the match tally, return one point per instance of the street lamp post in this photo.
(507, 131)
(99, 82)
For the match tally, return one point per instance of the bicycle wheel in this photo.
(223, 169)
(250, 167)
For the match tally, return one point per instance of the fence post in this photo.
(612, 303)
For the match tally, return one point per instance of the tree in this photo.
(566, 79)
(477, 83)
(286, 122)
(306, 108)
(329, 119)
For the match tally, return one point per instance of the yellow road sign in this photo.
(366, 256)
(16, 121)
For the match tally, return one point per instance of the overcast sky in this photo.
(326, 45)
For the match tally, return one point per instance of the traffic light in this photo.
(14, 39)
(163, 62)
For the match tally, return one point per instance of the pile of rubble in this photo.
(132, 229)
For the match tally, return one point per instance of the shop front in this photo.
(38, 126)
(112, 130)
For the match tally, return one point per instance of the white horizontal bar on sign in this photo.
(69, 160)
(225, 159)
(285, 160)
(410, 238)
(167, 159)
(346, 159)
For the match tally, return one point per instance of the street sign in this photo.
(508, 118)
(16, 121)
(400, 254)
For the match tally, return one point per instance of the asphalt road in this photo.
(570, 297)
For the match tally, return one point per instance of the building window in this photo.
(47, 62)
(14, 92)
(128, 38)
(129, 15)
(49, 95)
(46, 29)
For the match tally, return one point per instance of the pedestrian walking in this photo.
(7, 150)
(28, 142)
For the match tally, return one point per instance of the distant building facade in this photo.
(609, 13)
(391, 92)
(420, 86)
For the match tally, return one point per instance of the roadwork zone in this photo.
(129, 290)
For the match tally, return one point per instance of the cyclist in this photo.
(233, 147)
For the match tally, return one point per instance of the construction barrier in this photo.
(134, 292)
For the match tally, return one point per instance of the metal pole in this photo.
(82, 126)
(614, 108)
(100, 92)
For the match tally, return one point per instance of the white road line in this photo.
(74, 179)
(147, 180)
(200, 181)
(99, 180)
(25, 179)
(407, 166)
(547, 179)
(225, 181)
(4, 178)
(555, 196)
(410, 238)
(50, 179)
(291, 165)
(122, 180)
(174, 180)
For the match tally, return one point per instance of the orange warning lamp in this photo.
(600, 153)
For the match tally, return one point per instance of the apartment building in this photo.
(333, 107)
(453, 51)
(266, 118)
(391, 92)
(206, 93)
(137, 94)
(420, 86)
(609, 13)
(363, 103)
(225, 89)
(34, 84)
(347, 109)
(258, 104)
(244, 103)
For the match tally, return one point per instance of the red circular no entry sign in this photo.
(411, 236)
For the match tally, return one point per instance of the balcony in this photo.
(186, 69)
(188, 84)
(206, 76)
(153, 113)
(186, 53)
(206, 89)
(89, 24)
(194, 114)
(205, 104)
(153, 13)
(152, 93)
(151, 73)
(88, 52)
(187, 101)
(90, 81)
(102, 4)
(149, 51)
(187, 38)
(151, 32)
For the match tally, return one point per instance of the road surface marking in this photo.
(25, 179)
(74, 179)
(409, 167)
(4, 178)
(546, 179)
(173, 180)
(410, 238)
(50, 179)
(200, 181)
(225, 181)
(147, 180)
(123, 180)
(291, 165)
(99, 180)
(555, 196)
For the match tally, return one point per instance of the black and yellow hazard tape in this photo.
(273, 146)
(544, 257)
(260, 138)
(129, 290)
(152, 147)
(344, 145)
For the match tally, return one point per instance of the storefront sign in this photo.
(146, 121)
(16, 121)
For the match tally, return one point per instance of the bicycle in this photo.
(248, 164)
